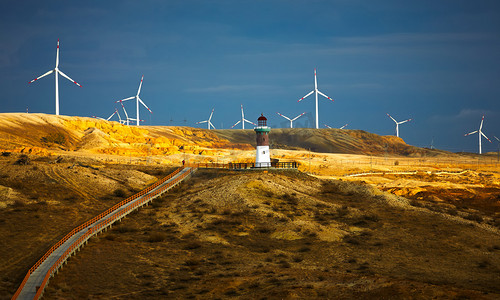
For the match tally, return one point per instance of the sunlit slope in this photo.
(330, 141)
(41, 133)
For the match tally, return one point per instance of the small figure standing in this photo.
(183, 162)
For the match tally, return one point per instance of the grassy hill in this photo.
(331, 141)
(41, 134)
(284, 235)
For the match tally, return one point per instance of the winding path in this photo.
(38, 276)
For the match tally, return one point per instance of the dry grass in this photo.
(224, 252)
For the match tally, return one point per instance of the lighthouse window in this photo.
(264, 152)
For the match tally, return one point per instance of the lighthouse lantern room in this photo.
(262, 158)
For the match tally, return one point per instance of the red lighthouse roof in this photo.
(262, 121)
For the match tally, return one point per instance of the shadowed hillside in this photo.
(331, 141)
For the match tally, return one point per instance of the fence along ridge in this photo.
(91, 231)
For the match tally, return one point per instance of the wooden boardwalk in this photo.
(38, 276)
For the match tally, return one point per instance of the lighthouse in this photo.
(262, 157)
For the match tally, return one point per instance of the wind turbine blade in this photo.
(140, 85)
(211, 115)
(392, 118)
(57, 54)
(140, 100)
(67, 77)
(284, 116)
(470, 133)
(297, 117)
(123, 106)
(49, 72)
(210, 123)
(249, 121)
(405, 121)
(496, 138)
(119, 117)
(236, 124)
(309, 94)
(126, 99)
(328, 126)
(485, 136)
(111, 116)
(202, 122)
(324, 95)
(315, 80)
(344, 126)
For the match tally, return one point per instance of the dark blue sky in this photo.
(437, 62)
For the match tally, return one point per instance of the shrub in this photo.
(119, 193)
(124, 229)
(474, 217)
(54, 138)
(304, 249)
(192, 246)
(156, 237)
(290, 198)
(18, 203)
(23, 160)
(264, 229)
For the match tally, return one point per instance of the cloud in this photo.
(464, 114)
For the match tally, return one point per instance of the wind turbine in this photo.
(398, 123)
(480, 133)
(316, 91)
(291, 120)
(243, 120)
(339, 128)
(208, 121)
(127, 118)
(109, 118)
(138, 99)
(56, 71)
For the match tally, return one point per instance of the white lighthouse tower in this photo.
(262, 157)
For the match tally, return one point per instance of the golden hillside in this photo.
(41, 134)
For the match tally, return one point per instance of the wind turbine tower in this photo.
(56, 71)
(480, 133)
(316, 91)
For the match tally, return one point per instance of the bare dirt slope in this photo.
(284, 235)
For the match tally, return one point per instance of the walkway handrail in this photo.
(237, 165)
(98, 228)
